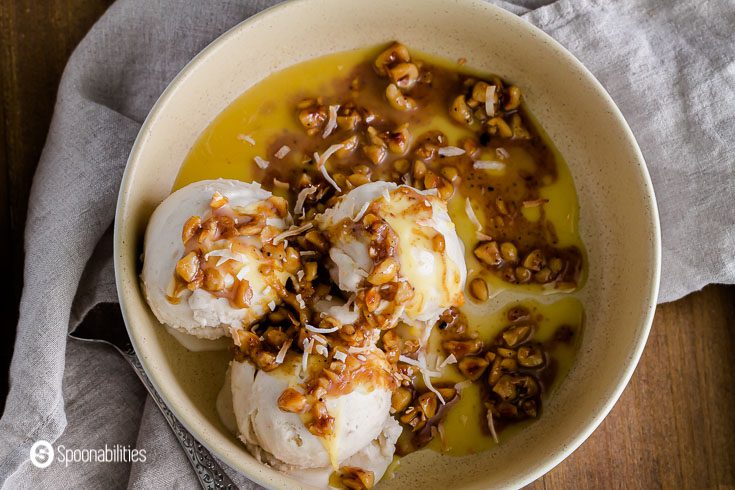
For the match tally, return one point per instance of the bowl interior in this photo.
(618, 222)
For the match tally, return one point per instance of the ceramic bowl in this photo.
(618, 217)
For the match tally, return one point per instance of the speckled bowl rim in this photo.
(123, 277)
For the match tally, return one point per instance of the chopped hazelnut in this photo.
(292, 401)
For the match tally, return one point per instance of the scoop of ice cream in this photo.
(375, 457)
(429, 252)
(204, 268)
(359, 418)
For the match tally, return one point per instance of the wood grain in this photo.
(674, 425)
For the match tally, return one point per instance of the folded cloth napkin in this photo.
(669, 67)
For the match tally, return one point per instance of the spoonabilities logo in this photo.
(42, 454)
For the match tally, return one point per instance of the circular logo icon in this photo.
(42, 454)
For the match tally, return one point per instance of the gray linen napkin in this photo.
(668, 65)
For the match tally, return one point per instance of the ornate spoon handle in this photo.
(210, 473)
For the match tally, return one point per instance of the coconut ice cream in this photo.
(383, 233)
(211, 260)
(258, 406)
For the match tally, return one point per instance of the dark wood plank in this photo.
(673, 427)
(36, 39)
(8, 305)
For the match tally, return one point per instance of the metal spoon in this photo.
(208, 471)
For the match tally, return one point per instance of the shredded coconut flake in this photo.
(293, 231)
(320, 330)
(322, 350)
(225, 255)
(246, 137)
(332, 122)
(300, 274)
(282, 352)
(272, 305)
(473, 218)
(439, 362)
(302, 305)
(340, 356)
(491, 426)
(422, 366)
(282, 152)
(322, 159)
(361, 357)
(408, 360)
(242, 273)
(307, 344)
(261, 162)
(301, 198)
(307, 253)
(427, 382)
(502, 153)
(452, 359)
(490, 100)
(381, 307)
(361, 212)
(471, 214)
(320, 339)
(328, 178)
(386, 195)
(451, 151)
(488, 165)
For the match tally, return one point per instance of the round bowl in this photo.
(618, 216)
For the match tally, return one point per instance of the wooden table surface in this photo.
(674, 426)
